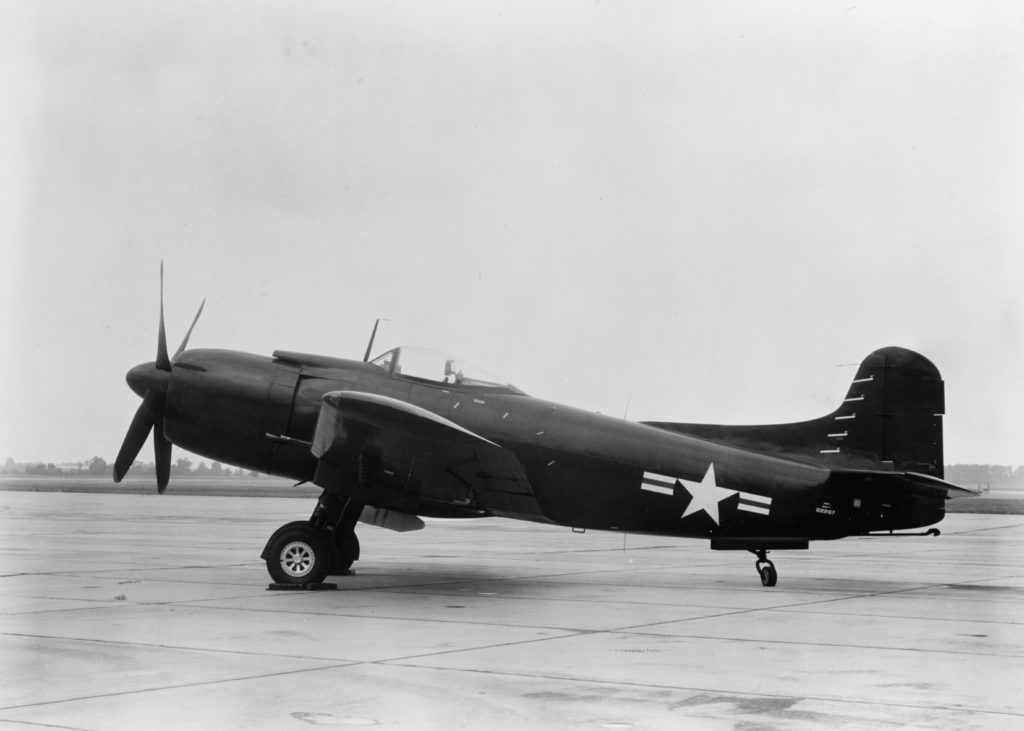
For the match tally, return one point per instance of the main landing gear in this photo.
(305, 552)
(765, 568)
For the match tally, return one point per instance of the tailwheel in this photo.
(769, 576)
(298, 553)
(765, 568)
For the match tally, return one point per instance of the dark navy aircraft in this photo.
(414, 433)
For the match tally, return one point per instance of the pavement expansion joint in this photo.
(872, 634)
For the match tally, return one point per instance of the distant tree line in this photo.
(985, 474)
(99, 467)
(964, 474)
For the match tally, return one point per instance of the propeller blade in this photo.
(142, 422)
(162, 452)
(184, 343)
(155, 379)
(162, 361)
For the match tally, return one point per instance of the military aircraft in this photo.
(413, 433)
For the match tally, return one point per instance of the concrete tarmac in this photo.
(144, 611)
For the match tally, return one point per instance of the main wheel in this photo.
(298, 554)
(346, 552)
(769, 576)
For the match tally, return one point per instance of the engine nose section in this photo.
(216, 405)
(146, 376)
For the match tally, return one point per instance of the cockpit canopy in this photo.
(422, 364)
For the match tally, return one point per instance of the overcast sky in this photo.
(702, 211)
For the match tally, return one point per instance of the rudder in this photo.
(893, 413)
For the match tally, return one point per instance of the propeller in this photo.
(150, 380)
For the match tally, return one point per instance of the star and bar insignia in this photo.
(706, 494)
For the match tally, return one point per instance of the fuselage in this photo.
(585, 470)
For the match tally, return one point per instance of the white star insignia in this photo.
(706, 494)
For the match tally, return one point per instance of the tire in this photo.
(298, 554)
(346, 552)
(769, 576)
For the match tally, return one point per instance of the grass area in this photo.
(180, 485)
(277, 487)
(990, 505)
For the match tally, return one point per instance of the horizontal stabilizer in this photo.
(885, 480)
(951, 489)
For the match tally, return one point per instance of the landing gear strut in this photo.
(307, 551)
(765, 568)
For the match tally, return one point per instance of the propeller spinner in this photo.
(150, 381)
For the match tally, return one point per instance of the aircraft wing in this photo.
(392, 454)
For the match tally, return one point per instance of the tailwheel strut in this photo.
(765, 568)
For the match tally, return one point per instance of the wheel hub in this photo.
(297, 559)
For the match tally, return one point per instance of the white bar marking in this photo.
(751, 497)
(658, 489)
(840, 434)
(754, 509)
(855, 398)
(850, 416)
(864, 380)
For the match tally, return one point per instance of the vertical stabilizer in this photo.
(891, 418)
(893, 412)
